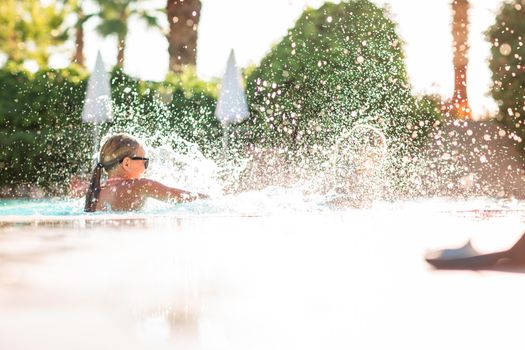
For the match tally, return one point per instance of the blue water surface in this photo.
(75, 207)
(247, 204)
(258, 203)
(44, 207)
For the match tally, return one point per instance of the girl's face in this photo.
(132, 167)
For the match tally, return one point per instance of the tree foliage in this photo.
(31, 29)
(182, 105)
(114, 16)
(339, 65)
(42, 138)
(507, 36)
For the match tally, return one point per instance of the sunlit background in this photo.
(251, 27)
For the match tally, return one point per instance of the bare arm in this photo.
(154, 189)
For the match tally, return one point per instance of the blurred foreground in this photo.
(339, 280)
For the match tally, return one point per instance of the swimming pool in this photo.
(222, 275)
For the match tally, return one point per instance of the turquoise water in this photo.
(269, 202)
(75, 207)
(47, 207)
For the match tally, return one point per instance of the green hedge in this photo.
(43, 141)
(179, 108)
(339, 65)
(508, 65)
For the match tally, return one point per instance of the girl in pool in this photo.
(123, 158)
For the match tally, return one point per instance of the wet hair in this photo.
(115, 148)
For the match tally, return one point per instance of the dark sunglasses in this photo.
(146, 160)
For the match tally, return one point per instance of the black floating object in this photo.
(468, 258)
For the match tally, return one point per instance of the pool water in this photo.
(273, 200)
(298, 274)
(27, 207)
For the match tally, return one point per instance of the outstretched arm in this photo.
(154, 189)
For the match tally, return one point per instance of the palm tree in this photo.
(183, 19)
(460, 106)
(75, 7)
(79, 31)
(79, 38)
(115, 14)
